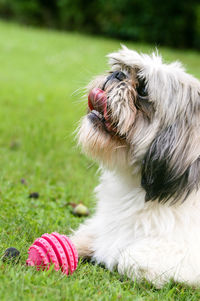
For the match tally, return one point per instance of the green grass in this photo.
(41, 73)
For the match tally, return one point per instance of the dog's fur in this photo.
(147, 220)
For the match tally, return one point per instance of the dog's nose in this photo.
(117, 75)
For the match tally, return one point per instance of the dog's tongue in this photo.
(97, 100)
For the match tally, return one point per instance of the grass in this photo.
(41, 73)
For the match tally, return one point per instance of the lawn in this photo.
(42, 75)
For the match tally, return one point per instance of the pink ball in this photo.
(54, 249)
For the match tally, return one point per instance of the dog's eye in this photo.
(141, 88)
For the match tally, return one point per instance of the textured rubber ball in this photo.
(11, 255)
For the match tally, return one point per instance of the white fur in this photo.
(144, 240)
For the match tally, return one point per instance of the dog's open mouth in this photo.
(97, 104)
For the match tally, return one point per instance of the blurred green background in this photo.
(42, 78)
(172, 23)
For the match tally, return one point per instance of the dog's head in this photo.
(146, 113)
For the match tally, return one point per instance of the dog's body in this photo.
(143, 126)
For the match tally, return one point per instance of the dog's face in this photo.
(145, 113)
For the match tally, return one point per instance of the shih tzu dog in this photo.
(143, 127)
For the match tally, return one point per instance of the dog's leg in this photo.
(83, 239)
(158, 261)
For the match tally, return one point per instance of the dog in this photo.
(143, 127)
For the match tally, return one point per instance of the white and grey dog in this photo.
(143, 126)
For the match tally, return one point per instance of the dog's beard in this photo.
(106, 130)
(116, 129)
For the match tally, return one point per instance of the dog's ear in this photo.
(171, 166)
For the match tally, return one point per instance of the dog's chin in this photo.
(97, 120)
(100, 143)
